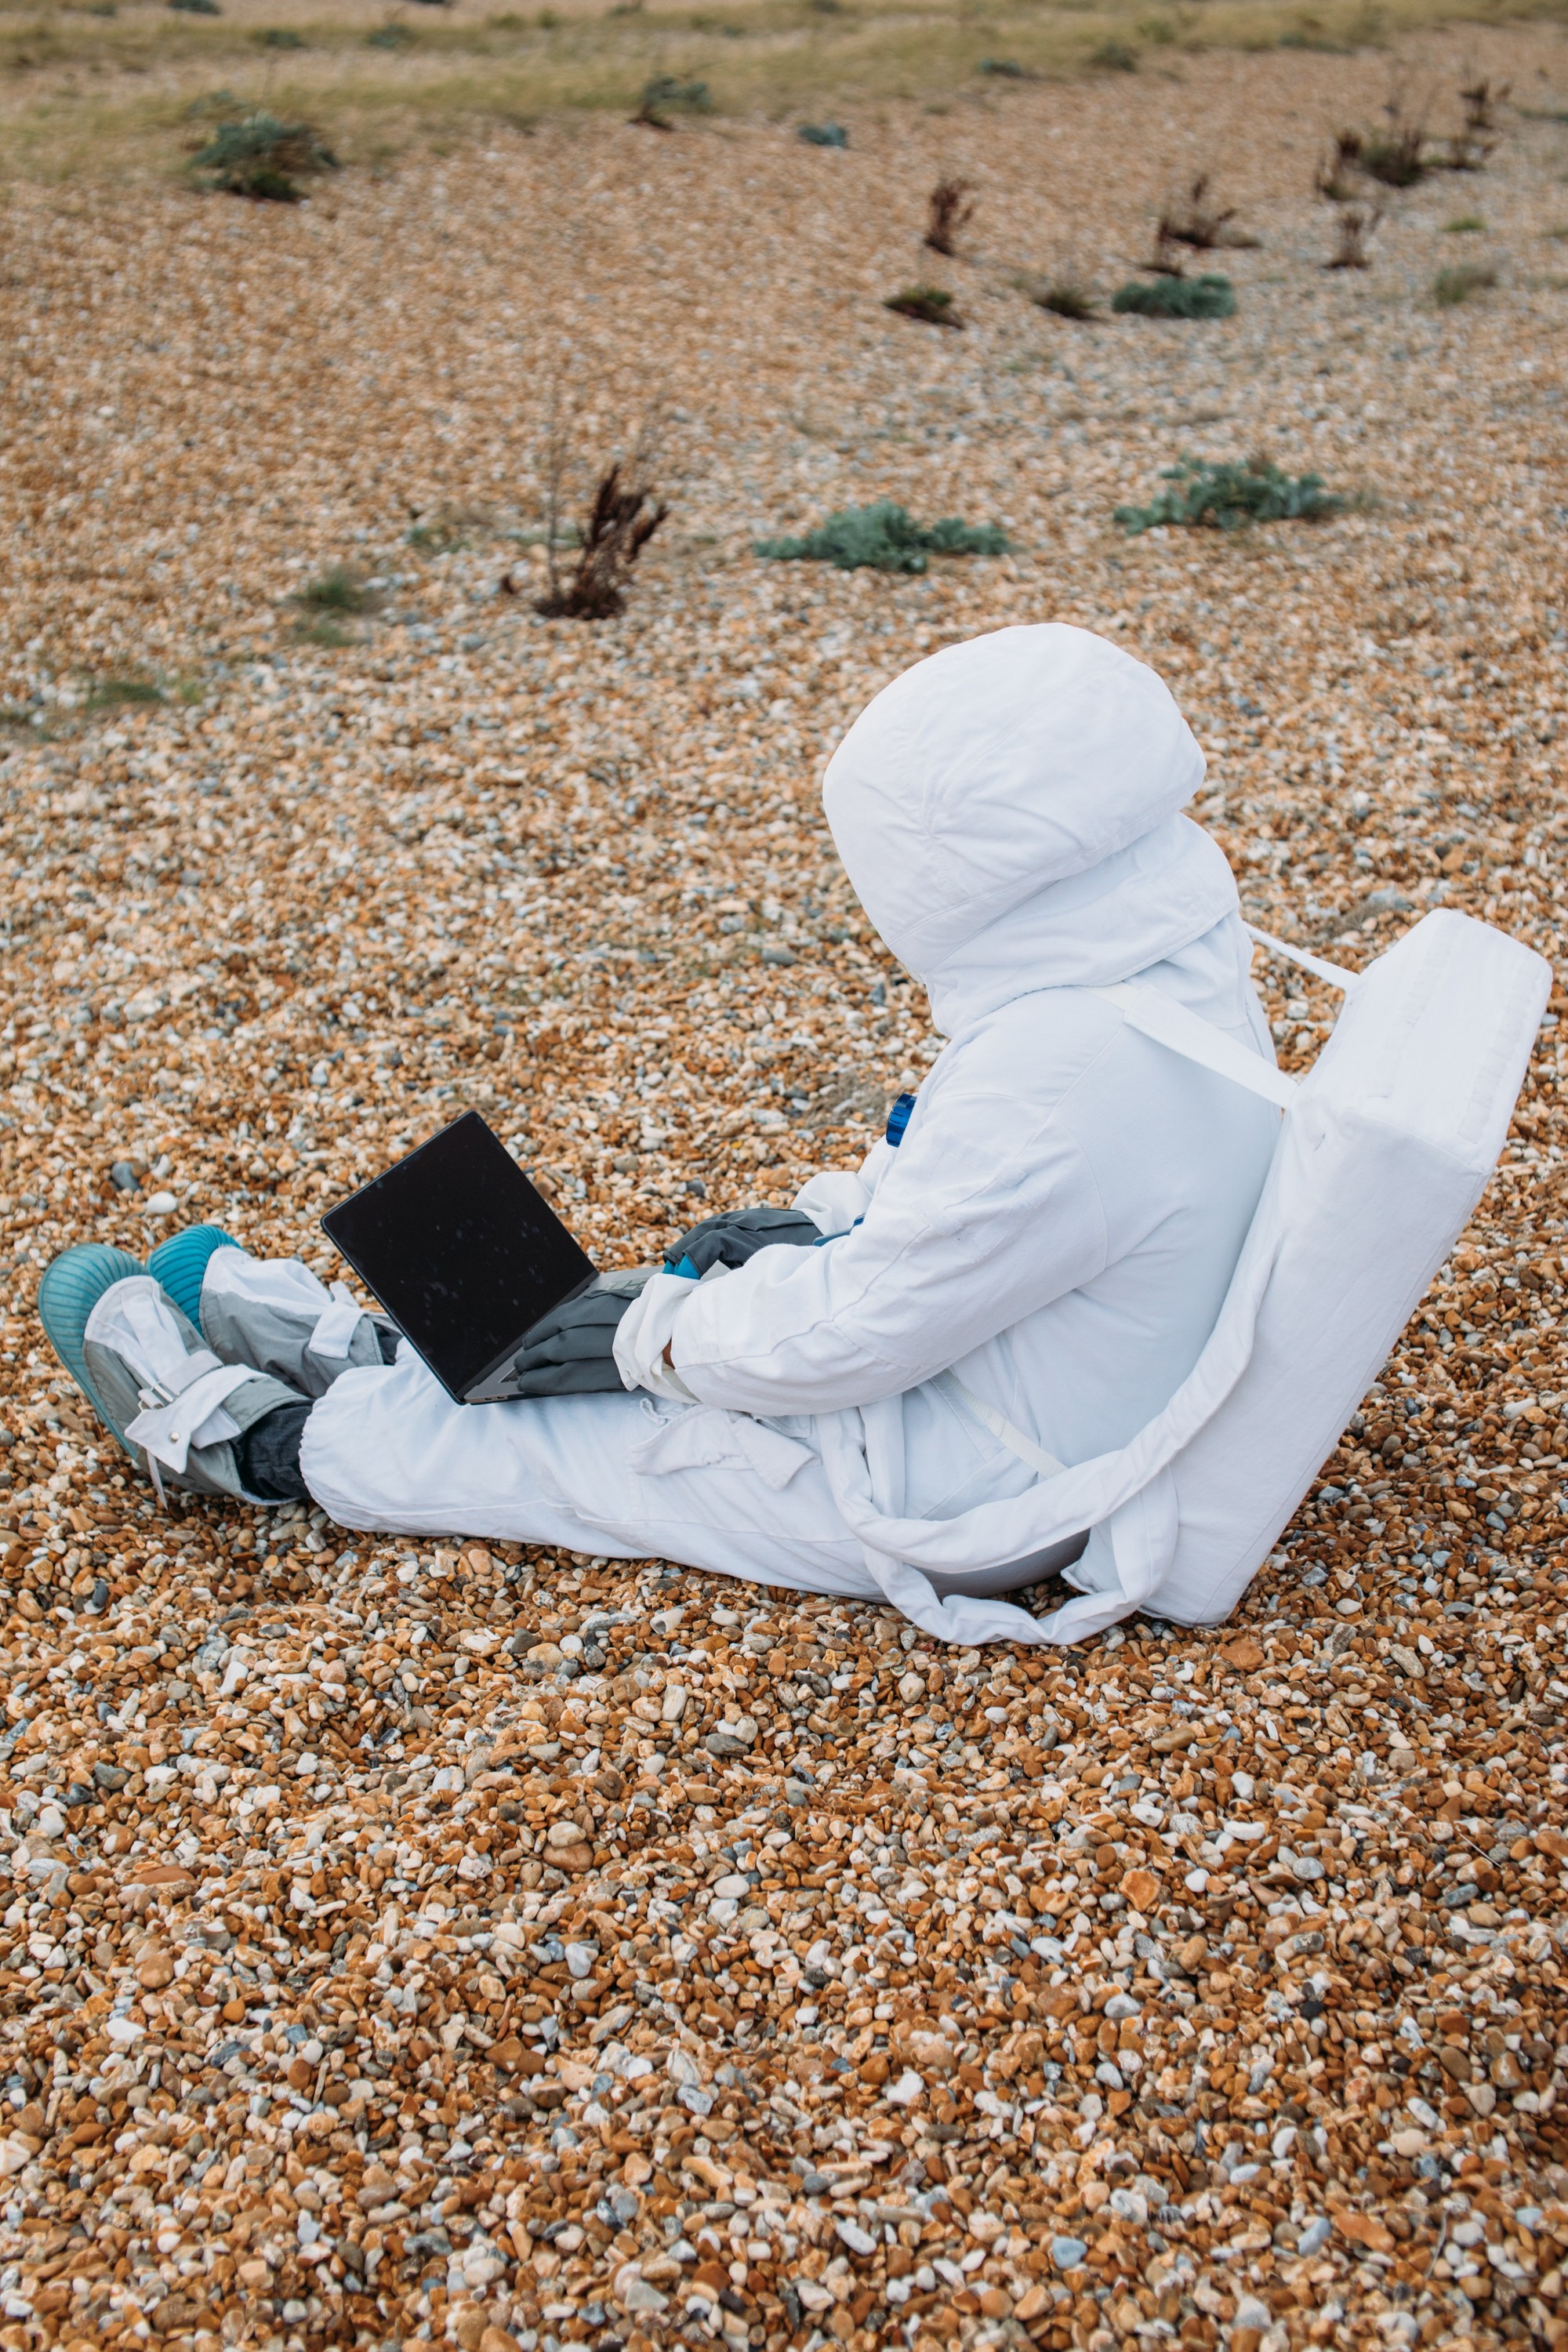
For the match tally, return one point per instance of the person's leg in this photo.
(178, 1412)
(268, 1454)
(617, 1473)
(273, 1313)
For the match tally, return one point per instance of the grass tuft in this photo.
(339, 590)
(823, 134)
(121, 693)
(1113, 56)
(1452, 286)
(884, 537)
(933, 305)
(279, 37)
(1209, 296)
(324, 631)
(1226, 496)
(1468, 224)
(1064, 298)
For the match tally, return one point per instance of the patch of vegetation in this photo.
(665, 94)
(1113, 56)
(1064, 298)
(121, 693)
(1452, 286)
(1193, 218)
(1355, 225)
(823, 134)
(438, 537)
(931, 304)
(1226, 496)
(194, 7)
(1004, 69)
(619, 524)
(1471, 151)
(279, 37)
(338, 590)
(1208, 296)
(949, 209)
(1468, 224)
(325, 632)
(1394, 156)
(884, 537)
(256, 156)
(391, 36)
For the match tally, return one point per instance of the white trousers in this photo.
(621, 1475)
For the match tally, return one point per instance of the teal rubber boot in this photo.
(178, 1265)
(71, 1289)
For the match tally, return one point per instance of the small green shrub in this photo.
(823, 134)
(391, 36)
(324, 631)
(1468, 224)
(1113, 56)
(1226, 496)
(884, 537)
(1004, 69)
(278, 36)
(120, 693)
(932, 304)
(1208, 296)
(194, 7)
(1452, 286)
(256, 155)
(665, 94)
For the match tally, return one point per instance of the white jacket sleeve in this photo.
(988, 1210)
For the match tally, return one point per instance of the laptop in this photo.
(464, 1256)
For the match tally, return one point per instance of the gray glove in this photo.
(572, 1352)
(737, 1234)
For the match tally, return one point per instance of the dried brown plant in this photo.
(625, 514)
(1194, 219)
(1355, 225)
(950, 209)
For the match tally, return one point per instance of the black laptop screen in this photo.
(460, 1249)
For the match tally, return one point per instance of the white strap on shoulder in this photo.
(1338, 975)
(1188, 1033)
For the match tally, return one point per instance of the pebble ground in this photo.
(414, 1945)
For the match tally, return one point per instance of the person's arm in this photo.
(990, 1211)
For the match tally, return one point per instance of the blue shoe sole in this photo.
(178, 1265)
(71, 1288)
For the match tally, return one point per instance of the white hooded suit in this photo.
(1058, 1224)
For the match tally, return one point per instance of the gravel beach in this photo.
(475, 1944)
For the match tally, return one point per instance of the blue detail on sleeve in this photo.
(899, 1119)
(685, 1268)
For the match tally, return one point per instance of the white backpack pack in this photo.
(1385, 1148)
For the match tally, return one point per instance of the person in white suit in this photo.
(1043, 1248)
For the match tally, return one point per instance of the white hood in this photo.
(1008, 812)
